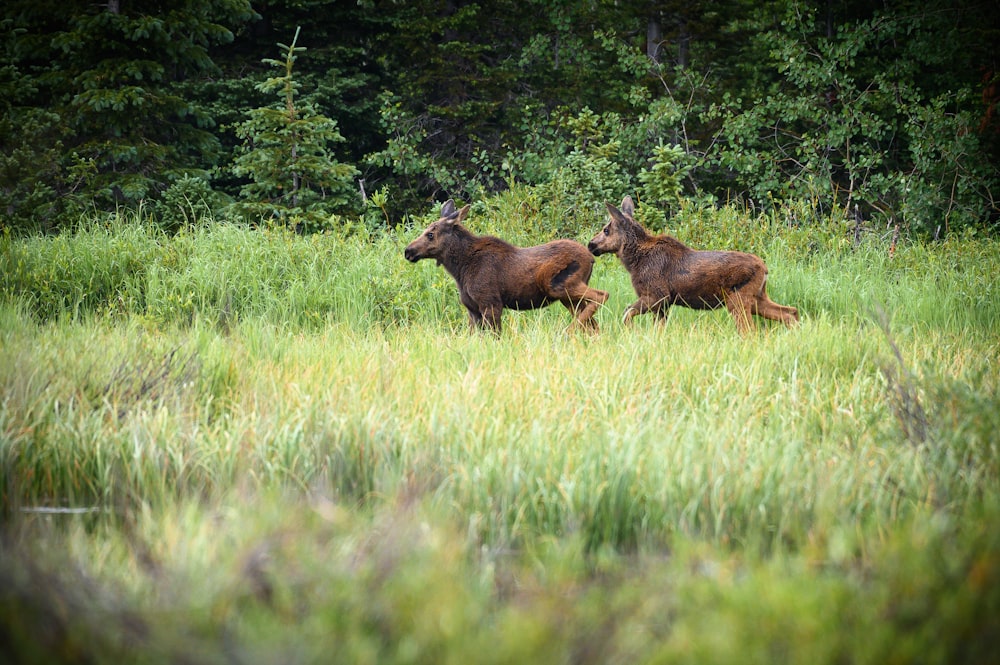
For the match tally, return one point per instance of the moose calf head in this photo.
(436, 240)
(617, 232)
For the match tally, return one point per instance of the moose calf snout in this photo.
(410, 255)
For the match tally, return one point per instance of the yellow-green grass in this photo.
(271, 447)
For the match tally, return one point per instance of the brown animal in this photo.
(492, 274)
(667, 272)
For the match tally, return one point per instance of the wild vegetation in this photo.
(239, 443)
(307, 112)
(237, 425)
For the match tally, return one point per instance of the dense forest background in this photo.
(309, 113)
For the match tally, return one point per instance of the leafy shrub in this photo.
(842, 130)
(590, 174)
(188, 201)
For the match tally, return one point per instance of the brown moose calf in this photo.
(667, 272)
(492, 274)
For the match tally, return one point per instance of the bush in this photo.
(189, 200)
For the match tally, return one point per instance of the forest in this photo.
(313, 113)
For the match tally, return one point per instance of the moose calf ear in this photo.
(616, 214)
(448, 209)
(627, 206)
(464, 212)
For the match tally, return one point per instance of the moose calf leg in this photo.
(491, 318)
(584, 312)
(769, 309)
(646, 304)
(741, 312)
(634, 310)
(630, 312)
(583, 302)
(475, 319)
(592, 301)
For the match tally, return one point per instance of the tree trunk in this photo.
(654, 37)
(683, 43)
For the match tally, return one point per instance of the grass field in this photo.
(232, 445)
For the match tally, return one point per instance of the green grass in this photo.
(286, 448)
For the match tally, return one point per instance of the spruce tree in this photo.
(286, 156)
(97, 84)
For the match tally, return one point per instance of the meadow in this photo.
(245, 445)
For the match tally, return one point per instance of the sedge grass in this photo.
(294, 446)
(727, 437)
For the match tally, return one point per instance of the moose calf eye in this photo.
(606, 231)
(430, 236)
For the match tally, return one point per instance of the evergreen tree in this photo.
(286, 155)
(342, 74)
(99, 84)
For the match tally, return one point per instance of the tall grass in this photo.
(221, 273)
(282, 447)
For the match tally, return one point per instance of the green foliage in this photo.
(841, 127)
(886, 110)
(115, 131)
(286, 155)
(35, 191)
(243, 442)
(470, 122)
(951, 180)
(404, 156)
(662, 182)
(41, 185)
(590, 174)
(188, 201)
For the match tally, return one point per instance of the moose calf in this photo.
(667, 272)
(492, 274)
